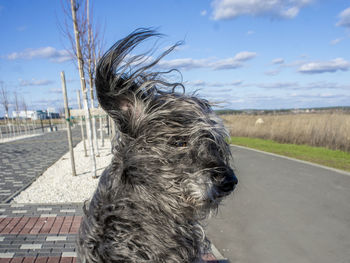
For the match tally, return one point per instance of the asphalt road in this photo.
(283, 211)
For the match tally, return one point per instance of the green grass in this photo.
(319, 155)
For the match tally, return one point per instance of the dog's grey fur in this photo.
(170, 166)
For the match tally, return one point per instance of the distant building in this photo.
(39, 115)
(51, 113)
(36, 115)
(23, 115)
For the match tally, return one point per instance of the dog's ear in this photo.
(113, 95)
(117, 83)
(124, 81)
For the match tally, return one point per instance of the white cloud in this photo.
(202, 83)
(50, 53)
(278, 85)
(278, 61)
(324, 66)
(184, 63)
(34, 82)
(203, 12)
(56, 90)
(344, 18)
(325, 85)
(229, 9)
(216, 64)
(48, 102)
(272, 72)
(244, 55)
(250, 32)
(290, 85)
(196, 83)
(336, 41)
(299, 99)
(227, 63)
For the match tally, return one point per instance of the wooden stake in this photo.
(67, 115)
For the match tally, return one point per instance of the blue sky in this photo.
(263, 54)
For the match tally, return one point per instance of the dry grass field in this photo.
(322, 129)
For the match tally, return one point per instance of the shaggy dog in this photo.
(170, 167)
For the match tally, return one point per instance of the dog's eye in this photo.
(180, 144)
(178, 141)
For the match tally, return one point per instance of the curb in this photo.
(219, 257)
(294, 159)
(11, 197)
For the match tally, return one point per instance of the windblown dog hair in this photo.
(170, 166)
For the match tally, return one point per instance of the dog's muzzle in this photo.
(228, 183)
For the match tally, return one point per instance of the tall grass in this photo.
(326, 130)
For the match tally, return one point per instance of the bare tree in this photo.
(5, 103)
(81, 124)
(25, 108)
(90, 65)
(97, 54)
(16, 102)
(61, 111)
(4, 100)
(80, 58)
(90, 40)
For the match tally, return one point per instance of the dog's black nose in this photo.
(229, 182)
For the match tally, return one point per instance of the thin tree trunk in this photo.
(84, 91)
(81, 124)
(94, 132)
(91, 82)
(101, 130)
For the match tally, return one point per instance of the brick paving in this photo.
(43, 233)
(39, 233)
(22, 161)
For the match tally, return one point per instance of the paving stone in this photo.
(69, 254)
(19, 211)
(25, 159)
(67, 211)
(31, 246)
(56, 238)
(44, 208)
(48, 215)
(7, 255)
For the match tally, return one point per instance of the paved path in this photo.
(39, 233)
(284, 211)
(22, 161)
(43, 233)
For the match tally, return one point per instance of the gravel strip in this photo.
(57, 185)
